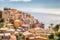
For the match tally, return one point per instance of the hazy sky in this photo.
(39, 6)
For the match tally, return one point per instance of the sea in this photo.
(46, 18)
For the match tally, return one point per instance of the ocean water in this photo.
(47, 19)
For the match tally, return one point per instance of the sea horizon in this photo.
(47, 19)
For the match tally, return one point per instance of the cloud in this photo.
(42, 10)
(22, 0)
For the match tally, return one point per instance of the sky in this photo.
(50, 9)
(39, 6)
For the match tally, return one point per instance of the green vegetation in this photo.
(54, 37)
(56, 34)
(56, 28)
(51, 36)
(1, 22)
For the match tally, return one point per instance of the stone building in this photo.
(6, 14)
(9, 13)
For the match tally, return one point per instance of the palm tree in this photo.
(51, 24)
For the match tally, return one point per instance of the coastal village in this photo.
(18, 25)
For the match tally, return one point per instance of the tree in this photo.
(51, 24)
(1, 22)
(51, 36)
(56, 28)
